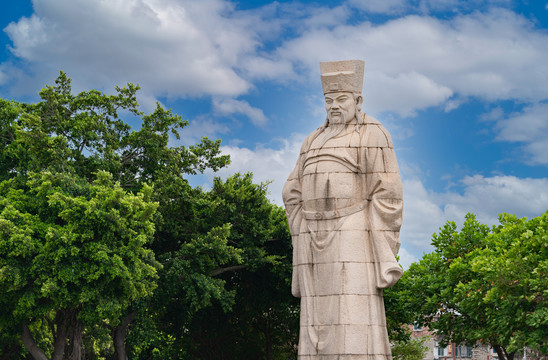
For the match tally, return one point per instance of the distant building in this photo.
(452, 351)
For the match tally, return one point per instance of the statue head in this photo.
(342, 83)
(342, 107)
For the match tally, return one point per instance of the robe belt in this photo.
(334, 214)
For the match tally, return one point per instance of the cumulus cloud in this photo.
(233, 106)
(423, 214)
(406, 258)
(411, 91)
(530, 127)
(199, 127)
(426, 211)
(181, 48)
(267, 163)
(492, 55)
(173, 48)
(489, 196)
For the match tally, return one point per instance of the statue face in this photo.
(341, 107)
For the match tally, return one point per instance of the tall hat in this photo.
(346, 75)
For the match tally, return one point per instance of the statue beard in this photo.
(331, 130)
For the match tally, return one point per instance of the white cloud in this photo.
(233, 106)
(262, 68)
(180, 48)
(494, 114)
(406, 258)
(454, 103)
(411, 91)
(320, 17)
(173, 48)
(493, 55)
(538, 150)
(489, 196)
(3, 73)
(200, 127)
(423, 215)
(529, 127)
(266, 163)
(426, 211)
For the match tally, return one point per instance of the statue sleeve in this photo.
(291, 195)
(385, 204)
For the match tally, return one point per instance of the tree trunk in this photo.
(30, 344)
(74, 334)
(268, 338)
(119, 337)
(499, 351)
(502, 353)
(76, 337)
(62, 321)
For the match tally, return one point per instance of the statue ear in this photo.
(359, 101)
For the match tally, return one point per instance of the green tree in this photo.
(85, 133)
(71, 255)
(399, 301)
(486, 284)
(245, 307)
(513, 284)
(78, 137)
(400, 313)
(411, 349)
(264, 324)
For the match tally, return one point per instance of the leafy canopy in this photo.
(486, 285)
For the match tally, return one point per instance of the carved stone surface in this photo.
(344, 206)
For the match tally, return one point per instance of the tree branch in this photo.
(62, 321)
(119, 337)
(30, 344)
(226, 269)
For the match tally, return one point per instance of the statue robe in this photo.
(344, 206)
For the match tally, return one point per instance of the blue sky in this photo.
(462, 86)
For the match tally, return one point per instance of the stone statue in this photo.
(344, 206)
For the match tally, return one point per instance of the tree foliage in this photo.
(79, 213)
(411, 349)
(400, 312)
(264, 323)
(486, 285)
(72, 254)
(244, 307)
